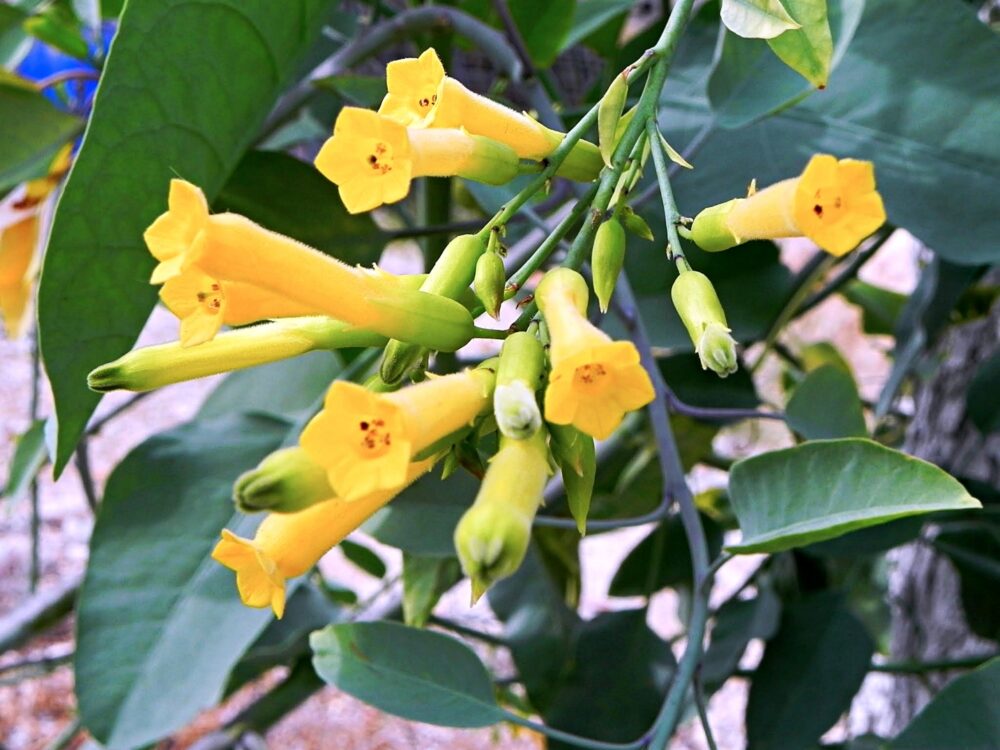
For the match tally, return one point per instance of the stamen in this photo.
(818, 210)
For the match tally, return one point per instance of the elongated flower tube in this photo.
(17, 273)
(594, 381)
(421, 95)
(700, 310)
(366, 440)
(372, 159)
(833, 203)
(151, 367)
(287, 545)
(492, 536)
(519, 374)
(231, 248)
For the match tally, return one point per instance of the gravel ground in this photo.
(34, 711)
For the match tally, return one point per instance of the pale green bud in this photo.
(489, 281)
(609, 112)
(636, 224)
(286, 481)
(701, 312)
(607, 259)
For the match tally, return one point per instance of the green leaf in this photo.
(881, 307)
(358, 90)
(425, 579)
(140, 678)
(810, 672)
(590, 16)
(934, 173)
(965, 714)
(59, 28)
(543, 26)
(538, 626)
(757, 19)
(690, 383)
(616, 679)
(825, 488)
(809, 49)
(363, 557)
(30, 455)
(870, 541)
(420, 675)
(737, 622)
(974, 550)
(290, 197)
(662, 559)
(31, 131)
(748, 81)
(422, 519)
(981, 400)
(288, 389)
(195, 122)
(826, 405)
(14, 42)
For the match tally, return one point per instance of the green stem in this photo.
(572, 739)
(699, 702)
(670, 213)
(489, 333)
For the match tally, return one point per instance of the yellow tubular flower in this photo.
(18, 243)
(372, 158)
(366, 440)
(152, 367)
(421, 95)
(594, 381)
(231, 248)
(833, 203)
(287, 545)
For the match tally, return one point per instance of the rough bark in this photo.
(927, 619)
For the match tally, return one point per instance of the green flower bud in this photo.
(489, 282)
(609, 112)
(519, 375)
(636, 224)
(286, 481)
(607, 259)
(701, 312)
(492, 537)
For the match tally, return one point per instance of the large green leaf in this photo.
(30, 455)
(420, 675)
(810, 672)
(288, 196)
(965, 714)
(807, 50)
(880, 307)
(982, 403)
(184, 91)
(31, 131)
(543, 26)
(974, 550)
(737, 622)
(826, 405)
(748, 81)
(140, 677)
(615, 681)
(825, 488)
(930, 122)
(425, 579)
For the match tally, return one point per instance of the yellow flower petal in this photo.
(15, 306)
(174, 232)
(18, 243)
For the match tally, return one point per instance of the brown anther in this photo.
(364, 426)
(373, 159)
(818, 210)
(201, 296)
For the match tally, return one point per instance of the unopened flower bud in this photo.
(701, 312)
(492, 537)
(519, 375)
(609, 112)
(489, 282)
(607, 259)
(286, 481)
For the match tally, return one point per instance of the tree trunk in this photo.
(928, 623)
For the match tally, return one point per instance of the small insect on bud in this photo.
(489, 282)
(607, 259)
(701, 312)
(609, 112)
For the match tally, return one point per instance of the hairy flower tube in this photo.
(231, 248)
(151, 367)
(594, 381)
(366, 440)
(833, 203)
(492, 536)
(421, 95)
(372, 159)
(700, 310)
(287, 545)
